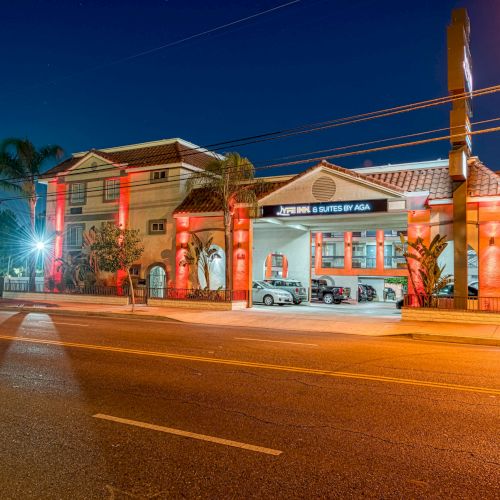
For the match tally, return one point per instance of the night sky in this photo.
(310, 61)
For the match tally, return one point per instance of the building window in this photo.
(75, 235)
(77, 193)
(157, 226)
(159, 175)
(111, 189)
(135, 270)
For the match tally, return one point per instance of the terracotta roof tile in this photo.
(160, 154)
(201, 200)
(482, 181)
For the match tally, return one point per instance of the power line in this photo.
(315, 127)
(167, 45)
(135, 184)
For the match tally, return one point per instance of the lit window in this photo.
(156, 226)
(111, 189)
(77, 193)
(159, 175)
(75, 233)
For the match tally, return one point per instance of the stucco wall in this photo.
(293, 243)
(61, 297)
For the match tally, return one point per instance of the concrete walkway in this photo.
(384, 321)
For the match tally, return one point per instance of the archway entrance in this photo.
(157, 279)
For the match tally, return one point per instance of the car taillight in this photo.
(341, 290)
(296, 290)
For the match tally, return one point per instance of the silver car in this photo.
(269, 295)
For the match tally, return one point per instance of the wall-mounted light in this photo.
(380, 243)
(319, 244)
(492, 241)
(348, 244)
(238, 245)
(184, 245)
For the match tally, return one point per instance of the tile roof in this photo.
(201, 200)
(481, 182)
(158, 154)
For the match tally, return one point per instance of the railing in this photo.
(329, 261)
(469, 304)
(24, 287)
(395, 263)
(197, 294)
(363, 262)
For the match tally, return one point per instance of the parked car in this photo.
(474, 284)
(299, 293)
(370, 292)
(321, 290)
(389, 293)
(448, 291)
(362, 294)
(268, 294)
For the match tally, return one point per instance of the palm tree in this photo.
(427, 274)
(229, 180)
(201, 254)
(20, 165)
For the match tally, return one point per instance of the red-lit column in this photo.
(123, 216)
(348, 251)
(241, 252)
(380, 250)
(269, 266)
(285, 267)
(59, 230)
(489, 252)
(418, 227)
(318, 249)
(181, 249)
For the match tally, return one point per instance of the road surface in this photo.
(120, 409)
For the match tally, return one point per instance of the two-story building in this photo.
(339, 224)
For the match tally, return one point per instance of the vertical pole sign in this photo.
(459, 85)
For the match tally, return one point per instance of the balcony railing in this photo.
(363, 262)
(332, 262)
(198, 294)
(468, 304)
(394, 263)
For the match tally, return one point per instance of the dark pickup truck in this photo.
(321, 290)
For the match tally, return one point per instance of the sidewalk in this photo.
(279, 319)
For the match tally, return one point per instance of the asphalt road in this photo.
(116, 409)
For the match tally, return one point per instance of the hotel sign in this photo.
(328, 208)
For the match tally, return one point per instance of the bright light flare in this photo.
(40, 246)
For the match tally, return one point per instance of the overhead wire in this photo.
(135, 184)
(315, 127)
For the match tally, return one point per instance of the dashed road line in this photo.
(187, 434)
(275, 341)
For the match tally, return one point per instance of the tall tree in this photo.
(230, 180)
(116, 249)
(20, 166)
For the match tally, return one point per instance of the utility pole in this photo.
(459, 84)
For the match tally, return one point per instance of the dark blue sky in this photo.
(311, 61)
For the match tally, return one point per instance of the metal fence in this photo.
(24, 287)
(197, 294)
(472, 304)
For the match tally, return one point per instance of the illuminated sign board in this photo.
(328, 208)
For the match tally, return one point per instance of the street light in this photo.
(40, 245)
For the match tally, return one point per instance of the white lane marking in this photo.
(61, 323)
(178, 432)
(275, 341)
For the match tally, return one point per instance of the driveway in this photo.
(364, 309)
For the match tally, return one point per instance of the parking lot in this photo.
(371, 309)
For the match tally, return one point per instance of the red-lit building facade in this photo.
(330, 222)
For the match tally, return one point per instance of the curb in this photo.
(72, 312)
(428, 337)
